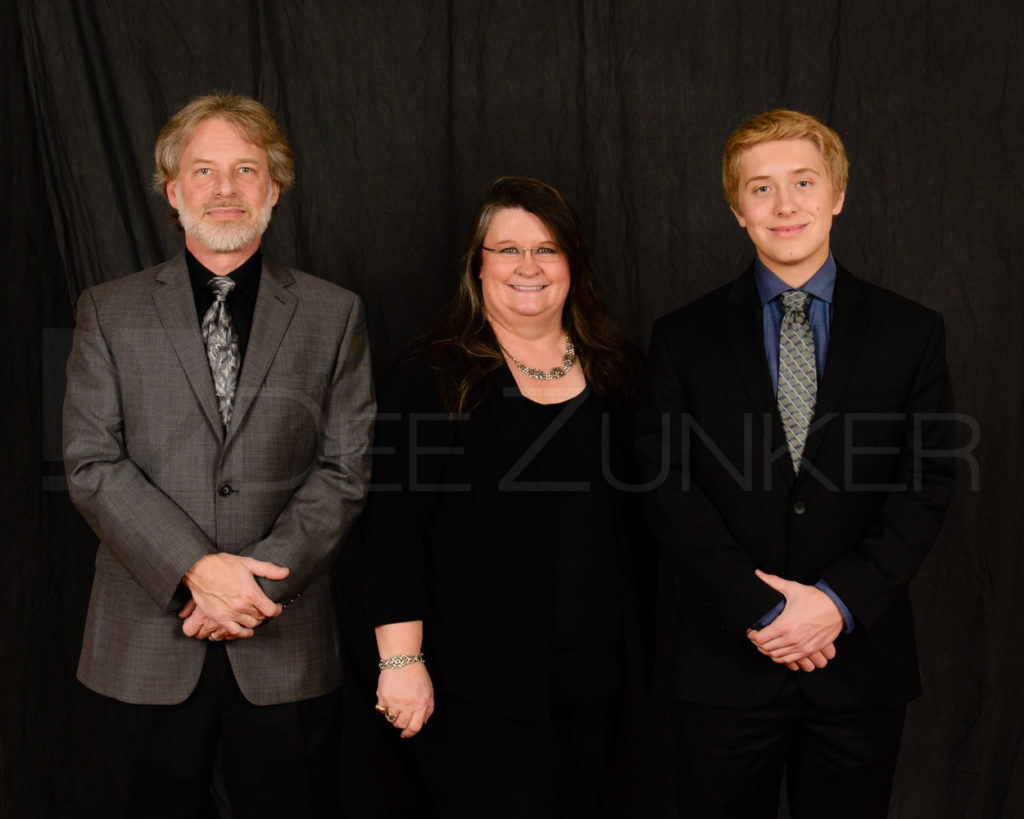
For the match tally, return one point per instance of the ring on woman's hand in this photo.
(390, 717)
(380, 708)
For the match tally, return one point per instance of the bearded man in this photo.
(216, 432)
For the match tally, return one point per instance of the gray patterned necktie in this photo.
(798, 374)
(221, 342)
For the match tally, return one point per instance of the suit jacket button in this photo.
(799, 507)
(224, 490)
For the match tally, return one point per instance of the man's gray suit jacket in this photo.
(162, 483)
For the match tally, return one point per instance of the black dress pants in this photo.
(477, 764)
(838, 764)
(278, 760)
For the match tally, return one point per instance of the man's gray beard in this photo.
(226, 237)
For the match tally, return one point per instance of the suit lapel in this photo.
(176, 308)
(275, 307)
(846, 338)
(744, 327)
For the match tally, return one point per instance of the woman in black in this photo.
(500, 551)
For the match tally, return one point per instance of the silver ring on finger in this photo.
(390, 717)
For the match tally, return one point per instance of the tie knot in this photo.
(795, 301)
(221, 286)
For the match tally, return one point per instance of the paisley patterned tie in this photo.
(798, 373)
(221, 340)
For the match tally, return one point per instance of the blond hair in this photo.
(250, 117)
(783, 124)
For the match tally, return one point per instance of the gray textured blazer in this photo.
(162, 484)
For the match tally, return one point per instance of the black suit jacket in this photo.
(877, 475)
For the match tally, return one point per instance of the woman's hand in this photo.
(407, 694)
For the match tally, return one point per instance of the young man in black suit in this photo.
(796, 436)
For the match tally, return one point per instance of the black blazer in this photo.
(877, 475)
(455, 537)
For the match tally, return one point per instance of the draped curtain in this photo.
(400, 111)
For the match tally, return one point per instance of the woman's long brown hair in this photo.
(462, 347)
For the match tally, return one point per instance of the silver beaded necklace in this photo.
(568, 360)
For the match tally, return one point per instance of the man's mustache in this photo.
(240, 204)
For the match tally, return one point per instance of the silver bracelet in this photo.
(400, 661)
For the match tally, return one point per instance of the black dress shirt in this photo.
(241, 302)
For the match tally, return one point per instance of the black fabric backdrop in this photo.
(399, 113)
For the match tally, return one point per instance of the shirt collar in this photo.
(246, 276)
(820, 285)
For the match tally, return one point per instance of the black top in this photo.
(581, 510)
(522, 582)
(241, 302)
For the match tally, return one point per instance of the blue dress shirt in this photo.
(819, 314)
